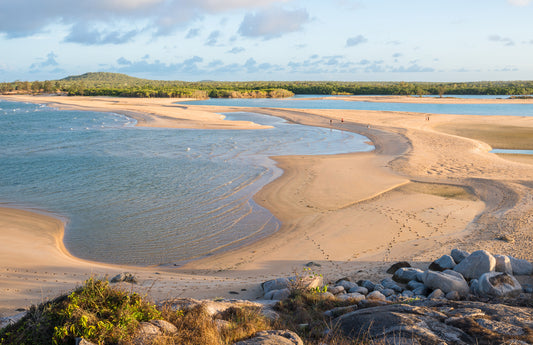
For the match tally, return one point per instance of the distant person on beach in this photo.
(342, 119)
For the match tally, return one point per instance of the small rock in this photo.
(436, 294)
(408, 294)
(336, 289)
(445, 262)
(124, 277)
(327, 294)
(335, 312)
(388, 292)
(453, 296)
(388, 283)
(359, 289)
(503, 264)
(347, 285)
(312, 264)
(421, 291)
(165, 326)
(275, 284)
(398, 265)
(459, 255)
(505, 238)
(353, 296)
(521, 267)
(376, 295)
(378, 287)
(413, 284)
(496, 284)
(278, 294)
(406, 274)
(476, 264)
(81, 341)
(528, 288)
(367, 284)
(474, 287)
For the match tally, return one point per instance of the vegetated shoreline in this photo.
(344, 224)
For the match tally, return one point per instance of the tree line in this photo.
(120, 85)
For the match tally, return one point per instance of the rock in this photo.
(406, 274)
(164, 326)
(9, 320)
(421, 291)
(312, 264)
(275, 284)
(446, 281)
(413, 285)
(459, 255)
(347, 285)
(278, 294)
(443, 263)
(376, 295)
(378, 287)
(336, 289)
(503, 264)
(453, 296)
(476, 264)
(146, 333)
(436, 294)
(367, 284)
(81, 341)
(521, 267)
(474, 287)
(285, 337)
(398, 265)
(124, 277)
(354, 297)
(388, 283)
(496, 284)
(408, 294)
(359, 289)
(528, 288)
(388, 292)
(328, 294)
(335, 312)
(398, 324)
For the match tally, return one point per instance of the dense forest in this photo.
(121, 85)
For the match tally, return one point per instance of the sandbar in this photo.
(422, 191)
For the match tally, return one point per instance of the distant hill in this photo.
(106, 78)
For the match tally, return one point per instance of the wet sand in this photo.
(422, 192)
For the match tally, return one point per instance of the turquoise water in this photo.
(304, 103)
(519, 152)
(145, 196)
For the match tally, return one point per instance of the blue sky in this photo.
(346, 40)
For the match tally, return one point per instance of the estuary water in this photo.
(304, 102)
(144, 196)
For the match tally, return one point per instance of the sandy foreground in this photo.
(421, 193)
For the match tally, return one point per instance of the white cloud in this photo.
(353, 41)
(519, 2)
(273, 22)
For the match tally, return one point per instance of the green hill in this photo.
(106, 79)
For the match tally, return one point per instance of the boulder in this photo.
(476, 264)
(398, 265)
(521, 267)
(413, 285)
(124, 277)
(446, 281)
(503, 264)
(285, 337)
(445, 262)
(388, 292)
(497, 284)
(459, 255)
(406, 274)
(453, 296)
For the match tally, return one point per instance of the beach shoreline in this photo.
(347, 213)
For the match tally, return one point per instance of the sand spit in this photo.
(421, 193)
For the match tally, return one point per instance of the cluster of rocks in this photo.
(453, 277)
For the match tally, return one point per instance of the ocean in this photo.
(145, 196)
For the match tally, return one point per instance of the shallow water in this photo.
(147, 196)
(518, 152)
(304, 103)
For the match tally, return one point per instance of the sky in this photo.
(246, 40)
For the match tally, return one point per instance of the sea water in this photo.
(145, 196)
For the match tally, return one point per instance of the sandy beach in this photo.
(429, 186)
